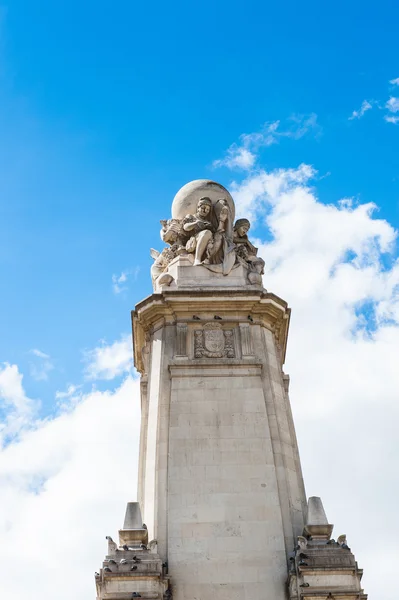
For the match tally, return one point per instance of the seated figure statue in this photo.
(210, 240)
(247, 252)
(207, 234)
(201, 229)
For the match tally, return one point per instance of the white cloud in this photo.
(16, 409)
(67, 400)
(39, 353)
(119, 282)
(336, 265)
(71, 474)
(393, 104)
(70, 391)
(357, 114)
(64, 486)
(41, 365)
(243, 156)
(237, 157)
(109, 361)
(391, 119)
(250, 196)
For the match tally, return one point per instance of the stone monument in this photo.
(221, 511)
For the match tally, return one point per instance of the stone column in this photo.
(221, 490)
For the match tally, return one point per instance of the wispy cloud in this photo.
(66, 401)
(70, 391)
(109, 361)
(237, 157)
(393, 104)
(243, 155)
(16, 408)
(40, 365)
(391, 119)
(358, 114)
(119, 282)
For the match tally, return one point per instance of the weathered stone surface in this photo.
(132, 568)
(133, 519)
(317, 525)
(217, 461)
(321, 567)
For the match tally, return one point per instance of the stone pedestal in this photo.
(187, 276)
(220, 481)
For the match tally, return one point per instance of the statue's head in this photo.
(204, 206)
(242, 227)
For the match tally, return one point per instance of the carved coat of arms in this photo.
(213, 342)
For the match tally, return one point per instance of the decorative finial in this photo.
(317, 525)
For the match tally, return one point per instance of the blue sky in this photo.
(107, 109)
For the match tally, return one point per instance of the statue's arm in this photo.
(189, 223)
(189, 226)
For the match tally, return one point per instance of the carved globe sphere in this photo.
(186, 200)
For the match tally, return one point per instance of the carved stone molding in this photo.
(170, 307)
(246, 340)
(214, 342)
(181, 339)
(286, 382)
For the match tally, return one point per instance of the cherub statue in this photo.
(161, 262)
(172, 233)
(246, 252)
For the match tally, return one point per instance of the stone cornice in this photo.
(171, 307)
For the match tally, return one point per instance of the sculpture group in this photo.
(211, 239)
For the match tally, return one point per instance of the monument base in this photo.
(186, 275)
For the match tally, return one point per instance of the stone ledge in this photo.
(209, 367)
(137, 575)
(128, 595)
(318, 568)
(305, 593)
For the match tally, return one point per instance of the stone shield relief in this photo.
(214, 342)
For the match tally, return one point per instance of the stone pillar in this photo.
(221, 490)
